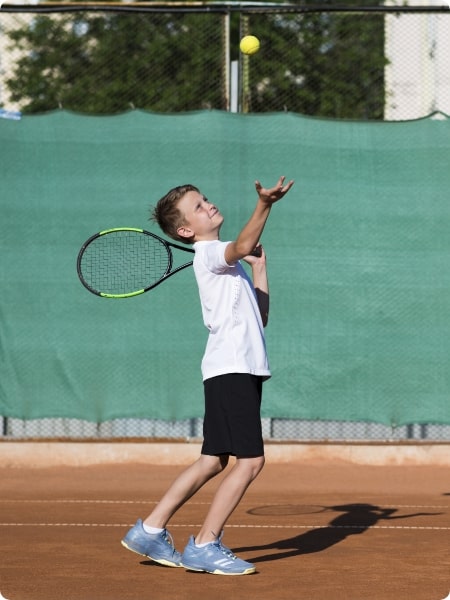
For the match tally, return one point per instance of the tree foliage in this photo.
(323, 64)
(335, 66)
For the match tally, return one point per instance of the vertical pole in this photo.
(226, 60)
(234, 88)
(244, 69)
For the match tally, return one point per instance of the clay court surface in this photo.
(324, 531)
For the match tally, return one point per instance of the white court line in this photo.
(62, 501)
(194, 503)
(198, 525)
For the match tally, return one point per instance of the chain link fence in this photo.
(273, 429)
(373, 63)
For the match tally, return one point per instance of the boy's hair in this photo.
(166, 212)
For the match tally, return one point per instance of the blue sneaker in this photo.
(158, 546)
(214, 558)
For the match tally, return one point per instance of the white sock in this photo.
(152, 530)
(202, 545)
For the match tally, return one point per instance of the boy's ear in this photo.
(185, 232)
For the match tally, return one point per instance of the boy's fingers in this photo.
(279, 188)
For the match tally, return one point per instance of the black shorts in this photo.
(232, 422)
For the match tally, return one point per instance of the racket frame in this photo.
(168, 272)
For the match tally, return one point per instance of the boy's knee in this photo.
(260, 462)
(253, 465)
(214, 464)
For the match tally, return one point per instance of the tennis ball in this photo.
(249, 44)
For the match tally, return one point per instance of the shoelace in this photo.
(219, 539)
(168, 538)
(225, 550)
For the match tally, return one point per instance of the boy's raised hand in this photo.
(271, 195)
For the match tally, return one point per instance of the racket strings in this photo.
(124, 261)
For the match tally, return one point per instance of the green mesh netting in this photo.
(359, 264)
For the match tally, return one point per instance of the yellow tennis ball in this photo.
(249, 44)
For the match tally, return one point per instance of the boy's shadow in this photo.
(355, 519)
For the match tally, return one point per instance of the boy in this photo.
(234, 365)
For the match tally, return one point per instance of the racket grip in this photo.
(257, 251)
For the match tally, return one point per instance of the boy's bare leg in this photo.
(184, 487)
(228, 496)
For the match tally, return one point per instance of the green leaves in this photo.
(321, 64)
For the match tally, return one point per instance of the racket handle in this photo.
(256, 251)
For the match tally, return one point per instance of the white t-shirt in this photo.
(230, 311)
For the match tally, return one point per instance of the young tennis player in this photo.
(234, 366)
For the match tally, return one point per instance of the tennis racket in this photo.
(125, 262)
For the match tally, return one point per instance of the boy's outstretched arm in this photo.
(250, 234)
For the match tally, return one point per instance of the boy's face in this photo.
(202, 220)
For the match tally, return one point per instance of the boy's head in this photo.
(167, 214)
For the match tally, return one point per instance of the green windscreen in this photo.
(358, 259)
